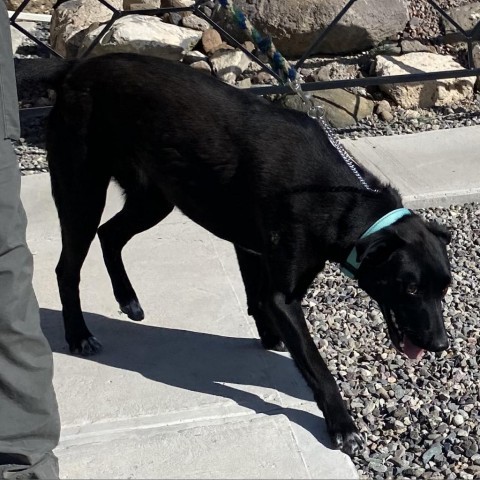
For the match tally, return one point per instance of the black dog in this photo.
(265, 178)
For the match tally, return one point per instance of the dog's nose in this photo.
(439, 344)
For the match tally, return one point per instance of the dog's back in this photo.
(217, 153)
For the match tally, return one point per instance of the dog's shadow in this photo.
(198, 362)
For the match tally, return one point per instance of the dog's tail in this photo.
(46, 72)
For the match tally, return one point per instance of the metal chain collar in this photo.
(317, 112)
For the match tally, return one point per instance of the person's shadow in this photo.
(196, 362)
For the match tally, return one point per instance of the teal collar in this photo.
(351, 265)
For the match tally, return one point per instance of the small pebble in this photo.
(458, 420)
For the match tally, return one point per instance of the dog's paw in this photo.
(133, 310)
(274, 343)
(86, 347)
(280, 347)
(350, 443)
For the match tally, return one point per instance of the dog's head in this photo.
(405, 268)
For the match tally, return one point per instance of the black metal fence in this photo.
(468, 36)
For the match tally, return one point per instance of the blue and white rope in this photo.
(264, 44)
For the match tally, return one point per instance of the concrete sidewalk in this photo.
(432, 169)
(189, 393)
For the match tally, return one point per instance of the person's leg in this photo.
(29, 423)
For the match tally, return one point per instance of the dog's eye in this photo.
(412, 289)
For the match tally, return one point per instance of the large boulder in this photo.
(72, 20)
(146, 35)
(294, 25)
(342, 108)
(424, 94)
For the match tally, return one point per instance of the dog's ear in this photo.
(439, 231)
(377, 248)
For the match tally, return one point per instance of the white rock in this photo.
(197, 23)
(424, 94)
(141, 4)
(202, 66)
(147, 35)
(71, 21)
(194, 56)
(245, 83)
(229, 64)
(476, 57)
(18, 37)
(458, 420)
(182, 3)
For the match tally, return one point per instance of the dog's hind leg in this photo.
(80, 200)
(142, 210)
(252, 274)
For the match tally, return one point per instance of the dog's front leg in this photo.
(293, 329)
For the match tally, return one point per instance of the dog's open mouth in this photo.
(400, 339)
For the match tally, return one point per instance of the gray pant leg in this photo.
(29, 423)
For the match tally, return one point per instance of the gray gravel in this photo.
(415, 121)
(424, 20)
(421, 420)
(30, 148)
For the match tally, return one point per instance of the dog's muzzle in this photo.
(400, 339)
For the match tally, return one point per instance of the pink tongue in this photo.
(411, 350)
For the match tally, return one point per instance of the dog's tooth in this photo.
(394, 321)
